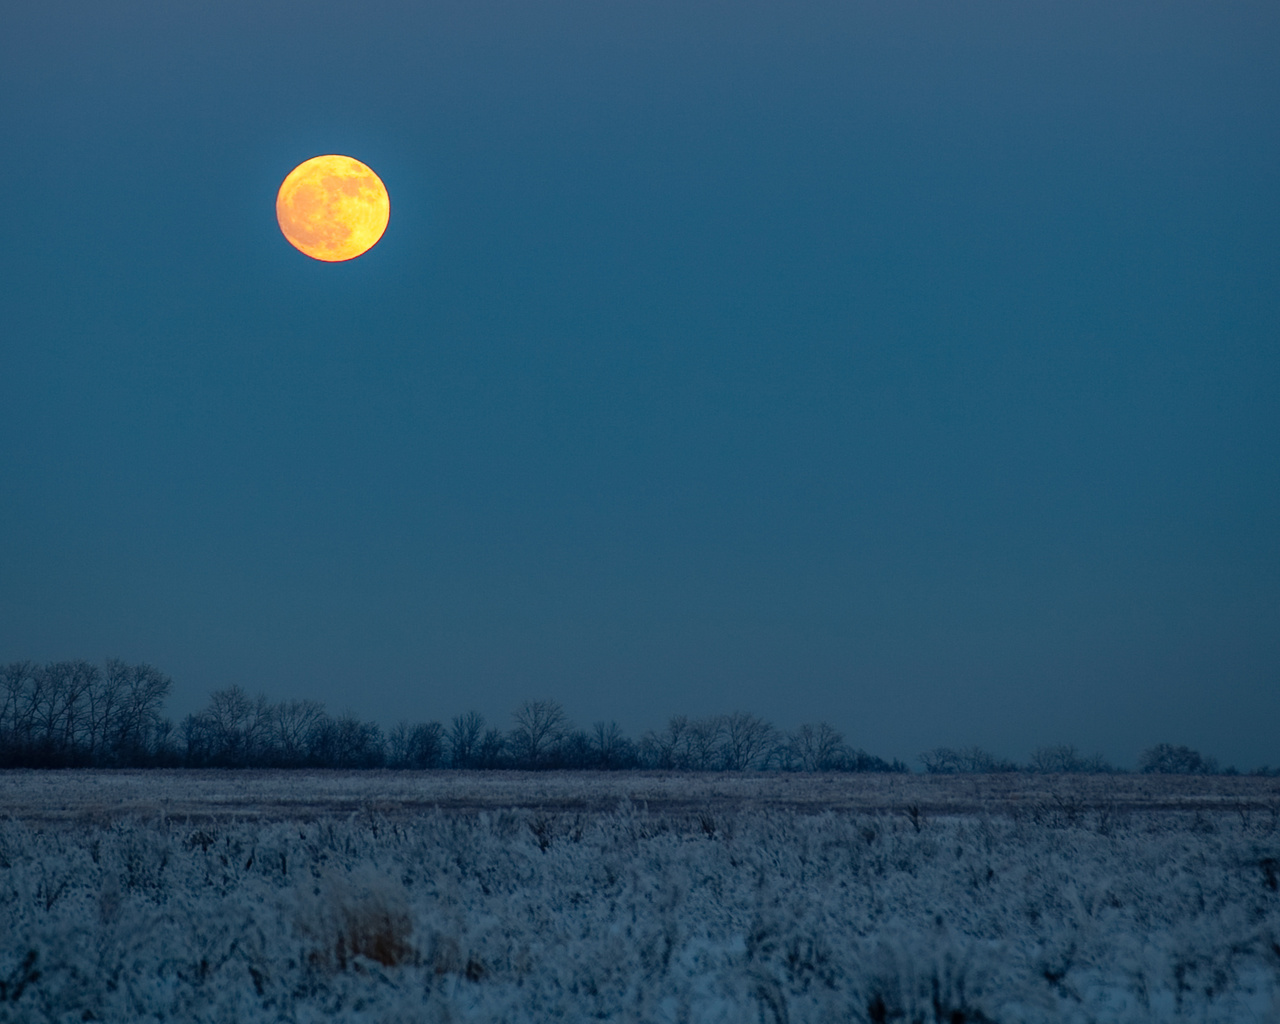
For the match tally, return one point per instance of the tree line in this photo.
(77, 714)
(73, 713)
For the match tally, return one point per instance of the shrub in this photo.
(352, 918)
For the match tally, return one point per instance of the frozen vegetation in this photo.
(1066, 902)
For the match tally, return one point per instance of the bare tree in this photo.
(105, 698)
(611, 748)
(817, 748)
(355, 744)
(81, 676)
(226, 720)
(666, 750)
(941, 761)
(61, 712)
(464, 739)
(398, 745)
(702, 743)
(574, 751)
(540, 725)
(426, 745)
(491, 749)
(945, 760)
(322, 742)
(747, 739)
(14, 735)
(43, 698)
(164, 752)
(1166, 759)
(859, 760)
(145, 691)
(1097, 764)
(1061, 757)
(50, 716)
(259, 732)
(195, 738)
(291, 727)
(416, 746)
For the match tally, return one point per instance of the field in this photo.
(640, 897)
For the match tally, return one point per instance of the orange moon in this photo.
(332, 208)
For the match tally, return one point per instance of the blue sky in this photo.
(912, 367)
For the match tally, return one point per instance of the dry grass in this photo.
(350, 919)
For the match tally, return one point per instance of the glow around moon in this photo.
(332, 208)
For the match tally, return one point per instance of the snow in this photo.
(521, 914)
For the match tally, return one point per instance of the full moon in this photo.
(332, 208)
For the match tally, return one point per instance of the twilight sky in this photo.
(910, 366)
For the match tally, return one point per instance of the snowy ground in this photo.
(1047, 900)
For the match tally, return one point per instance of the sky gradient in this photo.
(912, 367)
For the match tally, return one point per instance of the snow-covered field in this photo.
(643, 898)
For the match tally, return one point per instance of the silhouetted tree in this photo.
(1065, 758)
(702, 743)
(225, 727)
(133, 735)
(418, 746)
(398, 745)
(193, 740)
(292, 724)
(860, 761)
(1166, 759)
(464, 739)
(540, 726)
(1054, 759)
(945, 760)
(105, 699)
(346, 742)
(13, 688)
(58, 696)
(666, 750)
(611, 749)
(164, 745)
(574, 752)
(491, 750)
(815, 748)
(746, 741)
(75, 713)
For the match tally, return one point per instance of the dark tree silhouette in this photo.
(225, 727)
(746, 741)
(816, 748)
(75, 713)
(464, 739)
(702, 743)
(106, 696)
(611, 749)
(70, 713)
(860, 761)
(1166, 759)
(418, 746)
(292, 725)
(540, 727)
(946, 760)
(491, 750)
(1063, 757)
(143, 694)
(574, 751)
(667, 750)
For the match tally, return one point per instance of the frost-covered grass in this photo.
(266, 795)
(1061, 912)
